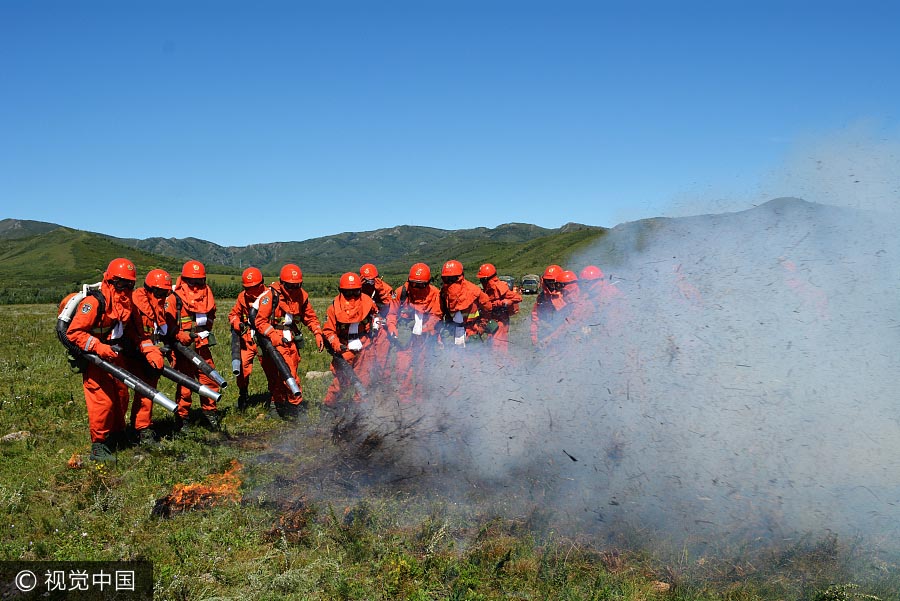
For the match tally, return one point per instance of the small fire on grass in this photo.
(214, 490)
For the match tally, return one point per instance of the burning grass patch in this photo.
(214, 490)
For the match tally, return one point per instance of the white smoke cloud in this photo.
(747, 391)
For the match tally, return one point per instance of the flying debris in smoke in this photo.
(744, 388)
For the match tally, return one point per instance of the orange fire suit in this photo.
(418, 309)
(462, 304)
(190, 313)
(348, 329)
(278, 316)
(545, 314)
(91, 331)
(149, 316)
(382, 294)
(506, 303)
(607, 300)
(239, 320)
(569, 320)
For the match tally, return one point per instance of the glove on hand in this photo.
(320, 341)
(183, 337)
(104, 351)
(154, 357)
(276, 337)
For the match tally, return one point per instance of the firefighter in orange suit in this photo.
(505, 302)
(605, 297)
(190, 313)
(149, 315)
(416, 306)
(99, 327)
(348, 331)
(279, 311)
(549, 302)
(239, 320)
(382, 294)
(577, 312)
(462, 305)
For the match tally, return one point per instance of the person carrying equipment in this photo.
(462, 305)
(99, 324)
(382, 294)
(348, 333)
(190, 313)
(505, 303)
(417, 308)
(548, 303)
(243, 330)
(277, 314)
(149, 315)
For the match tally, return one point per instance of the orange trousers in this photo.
(141, 406)
(248, 353)
(500, 338)
(186, 367)
(107, 401)
(409, 369)
(280, 391)
(361, 363)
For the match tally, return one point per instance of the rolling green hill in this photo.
(40, 262)
(45, 266)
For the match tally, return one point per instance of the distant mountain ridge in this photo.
(40, 261)
(392, 249)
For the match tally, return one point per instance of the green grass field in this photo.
(277, 546)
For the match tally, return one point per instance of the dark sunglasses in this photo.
(351, 293)
(450, 279)
(370, 282)
(418, 284)
(121, 284)
(291, 286)
(159, 292)
(195, 282)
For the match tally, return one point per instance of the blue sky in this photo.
(245, 122)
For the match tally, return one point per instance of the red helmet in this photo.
(552, 272)
(368, 272)
(120, 268)
(350, 281)
(591, 272)
(451, 268)
(251, 277)
(487, 271)
(193, 269)
(158, 278)
(420, 273)
(290, 274)
(567, 277)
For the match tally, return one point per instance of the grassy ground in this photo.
(279, 542)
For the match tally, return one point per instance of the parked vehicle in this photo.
(510, 281)
(531, 284)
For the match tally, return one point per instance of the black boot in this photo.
(212, 418)
(243, 400)
(101, 452)
(146, 438)
(182, 426)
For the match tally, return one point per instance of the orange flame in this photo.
(215, 489)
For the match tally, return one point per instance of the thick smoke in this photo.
(741, 388)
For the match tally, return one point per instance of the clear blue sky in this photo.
(245, 122)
